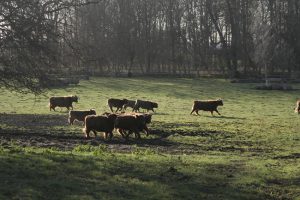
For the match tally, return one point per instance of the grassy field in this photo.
(251, 151)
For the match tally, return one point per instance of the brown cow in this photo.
(65, 101)
(142, 124)
(100, 123)
(118, 103)
(80, 115)
(132, 124)
(148, 117)
(209, 105)
(148, 105)
(130, 103)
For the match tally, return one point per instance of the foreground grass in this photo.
(252, 151)
(94, 173)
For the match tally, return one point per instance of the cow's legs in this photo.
(110, 135)
(193, 111)
(212, 113)
(111, 108)
(127, 135)
(121, 132)
(146, 130)
(71, 120)
(52, 107)
(95, 132)
(121, 109)
(87, 133)
(137, 134)
(136, 109)
(217, 112)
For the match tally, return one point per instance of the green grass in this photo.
(251, 151)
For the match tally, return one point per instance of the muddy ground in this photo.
(53, 131)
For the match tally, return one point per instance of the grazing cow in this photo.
(100, 123)
(79, 115)
(148, 105)
(130, 104)
(118, 103)
(132, 123)
(62, 102)
(210, 105)
(297, 109)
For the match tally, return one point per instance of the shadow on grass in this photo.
(32, 121)
(160, 113)
(290, 156)
(220, 117)
(165, 134)
(52, 131)
(53, 175)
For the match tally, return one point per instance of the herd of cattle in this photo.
(125, 123)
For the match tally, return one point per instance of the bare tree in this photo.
(30, 41)
(229, 37)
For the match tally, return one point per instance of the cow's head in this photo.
(155, 105)
(220, 102)
(125, 101)
(75, 98)
(92, 111)
(148, 118)
(112, 117)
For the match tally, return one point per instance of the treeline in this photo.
(232, 37)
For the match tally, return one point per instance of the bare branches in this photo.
(187, 37)
(30, 41)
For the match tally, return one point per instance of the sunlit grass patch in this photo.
(251, 151)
